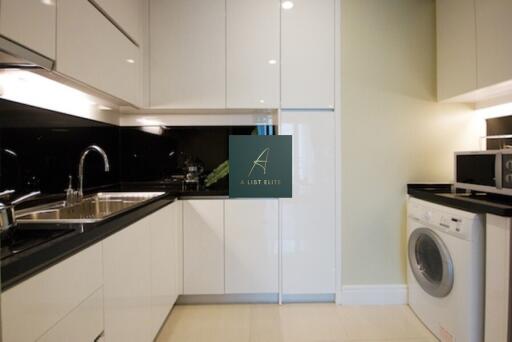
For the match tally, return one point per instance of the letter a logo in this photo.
(261, 161)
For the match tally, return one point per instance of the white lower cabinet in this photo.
(163, 232)
(251, 246)
(126, 262)
(203, 243)
(52, 300)
(84, 324)
(141, 270)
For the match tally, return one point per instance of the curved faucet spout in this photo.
(91, 148)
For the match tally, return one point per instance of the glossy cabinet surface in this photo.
(188, 53)
(494, 46)
(163, 230)
(31, 308)
(90, 49)
(252, 233)
(456, 48)
(203, 230)
(30, 23)
(128, 14)
(83, 324)
(127, 284)
(308, 219)
(253, 53)
(308, 54)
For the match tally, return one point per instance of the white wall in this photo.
(393, 131)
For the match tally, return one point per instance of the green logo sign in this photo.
(260, 166)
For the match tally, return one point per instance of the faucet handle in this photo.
(25, 197)
(6, 193)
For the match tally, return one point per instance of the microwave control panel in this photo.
(506, 171)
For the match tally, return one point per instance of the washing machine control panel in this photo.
(453, 225)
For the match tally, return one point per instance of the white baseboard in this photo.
(394, 294)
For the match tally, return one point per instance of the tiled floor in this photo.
(292, 323)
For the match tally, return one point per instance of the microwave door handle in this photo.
(498, 171)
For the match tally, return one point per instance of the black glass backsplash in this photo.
(157, 153)
(40, 148)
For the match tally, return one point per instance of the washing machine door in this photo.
(430, 262)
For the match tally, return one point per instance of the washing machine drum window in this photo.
(430, 262)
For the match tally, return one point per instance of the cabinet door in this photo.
(308, 226)
(203, 229)
(251, 229)
(84, 324)
(456, 48)
(127, 284)
(308, 54)
(92, 50)
(37, 304)
(30, 23)
(252, 53)
(163, 265)
(494, 46)
(128, 14)
(188, 53)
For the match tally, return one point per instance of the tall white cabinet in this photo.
(308, 58)
(308, 219)
(252, 53)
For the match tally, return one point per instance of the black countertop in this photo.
(480, 203)
(21, 266)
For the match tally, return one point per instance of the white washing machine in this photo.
(446, 270)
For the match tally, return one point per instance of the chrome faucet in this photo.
(7, 213)
(81, 166)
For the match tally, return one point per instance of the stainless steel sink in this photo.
(93, 208)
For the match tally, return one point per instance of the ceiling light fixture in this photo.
(272, 62)
(131, 61)
(287, 5)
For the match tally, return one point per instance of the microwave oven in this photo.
(486, 171)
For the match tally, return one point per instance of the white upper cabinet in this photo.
(128, 14)
(30, 23)
(252, 233)
(474, 50)
(253, 53)
(92, 50)
(188, 53)
(494, 43)
(203, 230)
(456, 48)
(308, 54)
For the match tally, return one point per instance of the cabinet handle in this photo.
(97, 339)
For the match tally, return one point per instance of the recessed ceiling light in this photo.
(287, 5)
(131, 61)
(272, 62)
(47, 2)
